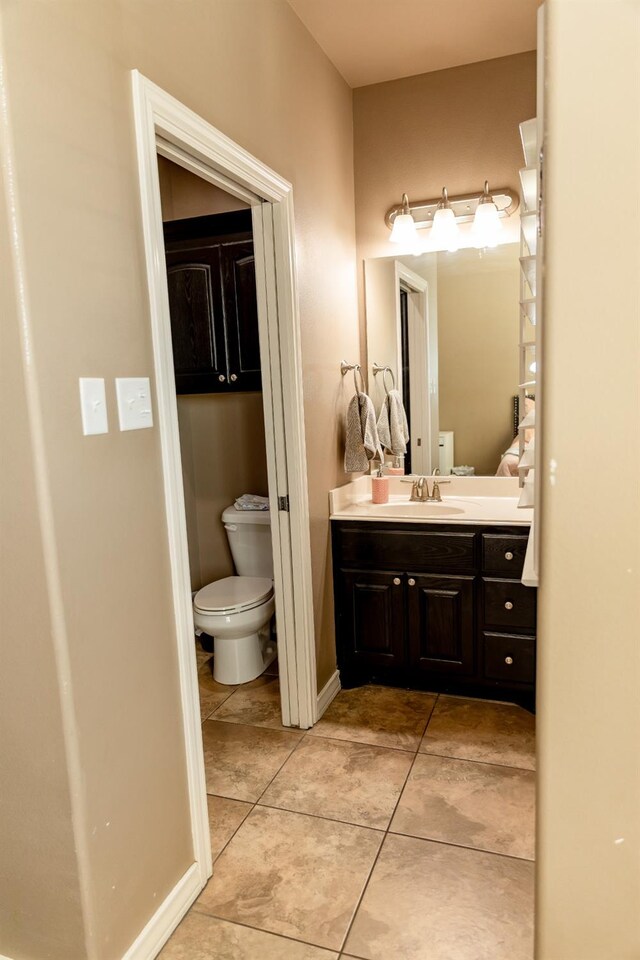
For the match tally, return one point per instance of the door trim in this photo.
(421, 364)
(164, 125)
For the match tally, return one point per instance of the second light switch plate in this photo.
(134, 402)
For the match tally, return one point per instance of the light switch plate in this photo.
(93, 406)
(134, 402)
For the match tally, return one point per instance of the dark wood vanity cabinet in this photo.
(211, 279)
(433, 606)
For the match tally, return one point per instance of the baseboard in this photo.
(153, 937)
(330, 690)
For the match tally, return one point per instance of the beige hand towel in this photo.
(393, 429)
(361, 442)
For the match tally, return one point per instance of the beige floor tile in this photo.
(241, 761)
(225, 816)
(474, 804)
(256, 703)
(292, 874)
(383, 716)
(431, 901)
(212, 694)
(202, 655)
(355, 782)
(200, 937)
(478, 730)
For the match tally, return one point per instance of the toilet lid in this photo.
(233, 593)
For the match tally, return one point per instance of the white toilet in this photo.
(237, 611)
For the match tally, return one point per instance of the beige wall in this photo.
(222, 441)
(588, 859)
(452, 128)
(40, 911)
(185, 195)
(252, 70)
(478, 352)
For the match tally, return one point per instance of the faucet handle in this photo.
(435, 493)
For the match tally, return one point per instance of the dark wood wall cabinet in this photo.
(212, 300)
(434, 606)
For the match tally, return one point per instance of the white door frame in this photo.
(421, 385)
(164, 125)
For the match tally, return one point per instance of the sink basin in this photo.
(409, 508)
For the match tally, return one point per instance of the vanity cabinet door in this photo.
(371, 619)
(441, 623)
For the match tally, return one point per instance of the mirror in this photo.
(446, 324)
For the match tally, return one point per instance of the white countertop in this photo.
(469, 500)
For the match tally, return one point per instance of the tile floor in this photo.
(400, 828)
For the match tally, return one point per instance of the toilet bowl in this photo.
(237, 611)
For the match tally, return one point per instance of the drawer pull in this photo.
(221, 378)
(397, 581)
(412, 582)
(508, 660)
(508, 555)
(233, 377)
(508, 605)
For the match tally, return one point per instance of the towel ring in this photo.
(357, 369)
(379, 368)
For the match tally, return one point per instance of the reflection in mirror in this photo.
(447, 326)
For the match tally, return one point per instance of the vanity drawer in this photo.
(507, 603)
(407, 548)
(503, 554)
(509, 658)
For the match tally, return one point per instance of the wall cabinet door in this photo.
(371, 620)
(212, 301)
(441, 623)
(238, 275)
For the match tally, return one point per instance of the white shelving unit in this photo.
(529, 267)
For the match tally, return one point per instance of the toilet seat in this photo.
(233, 595)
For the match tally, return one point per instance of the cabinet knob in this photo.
(221, 378)
(508, 605)
(508, 660)
(233, 377)
(397, 581)
(508, 555)
(411, 582)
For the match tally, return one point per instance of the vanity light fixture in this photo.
(445, 233)
(404, 227)
(486, 221)
(408, 221)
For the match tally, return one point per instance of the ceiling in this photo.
(370, 41)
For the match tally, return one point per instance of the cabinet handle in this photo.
(411, 582)
(508, 660)
(508, 555)
(508, 605)
(233, 377)
(397, 581)
(222, 378)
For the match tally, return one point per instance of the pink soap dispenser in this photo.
(397, 468)
(379, 487)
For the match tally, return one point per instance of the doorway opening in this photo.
(208, 236)
(166, 128)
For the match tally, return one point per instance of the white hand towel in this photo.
(361, 441)
(251, 501)
(393, 429)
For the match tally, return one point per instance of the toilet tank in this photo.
(249, 536)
